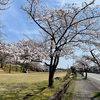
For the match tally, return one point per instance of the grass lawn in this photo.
(31, 86)
(27, 78)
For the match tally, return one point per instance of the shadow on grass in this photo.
(31, 95)
(96, 95)
(86, 79)
(28, 96)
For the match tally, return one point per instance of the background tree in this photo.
(27, 52)
(64, 28)
(3, 53)
(73, 69)
(95, 58)
(21, 53)
(85, 64)
(36, 66)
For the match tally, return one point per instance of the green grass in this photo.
(69, 93)
(32, 86)
(27, 78)
(96, 95)
(86, 79)
(18, 91)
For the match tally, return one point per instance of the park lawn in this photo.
(27, 78)
(31, 86)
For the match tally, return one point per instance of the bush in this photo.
(66, 77)
(73, 69)
(69, 71)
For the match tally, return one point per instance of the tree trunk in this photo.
(21, 68)
(86, 74)
(10, 69)
(16, 69)
(1, 65)
(51, 75)
(52, 68)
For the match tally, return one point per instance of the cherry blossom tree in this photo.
(63, 28)
(26, 52)
(92, 52)
(95, 58)
(21, 53)
(3, 53)
(78, 67)
(36, 66)
(85, 64)
(6, 54)
(3, 58)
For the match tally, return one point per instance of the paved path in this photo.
(95, 78)
(84, 89)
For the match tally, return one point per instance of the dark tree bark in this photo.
(16, 69)
(86, 73)
(51, 75)
(10, 69)
(95, 59)
(1, 64)
(52, 69)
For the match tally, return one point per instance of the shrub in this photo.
(66, 77)
(69, 71)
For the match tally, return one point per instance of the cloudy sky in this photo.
(17, 24)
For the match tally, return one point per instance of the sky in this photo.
(17, 24)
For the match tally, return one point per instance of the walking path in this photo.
(84, 89)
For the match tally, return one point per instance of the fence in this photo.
(58, 95)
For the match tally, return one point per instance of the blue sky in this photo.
(17, 24)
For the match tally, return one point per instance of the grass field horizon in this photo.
(27, 77)
(16, 86)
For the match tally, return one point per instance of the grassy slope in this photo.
(19, 86)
